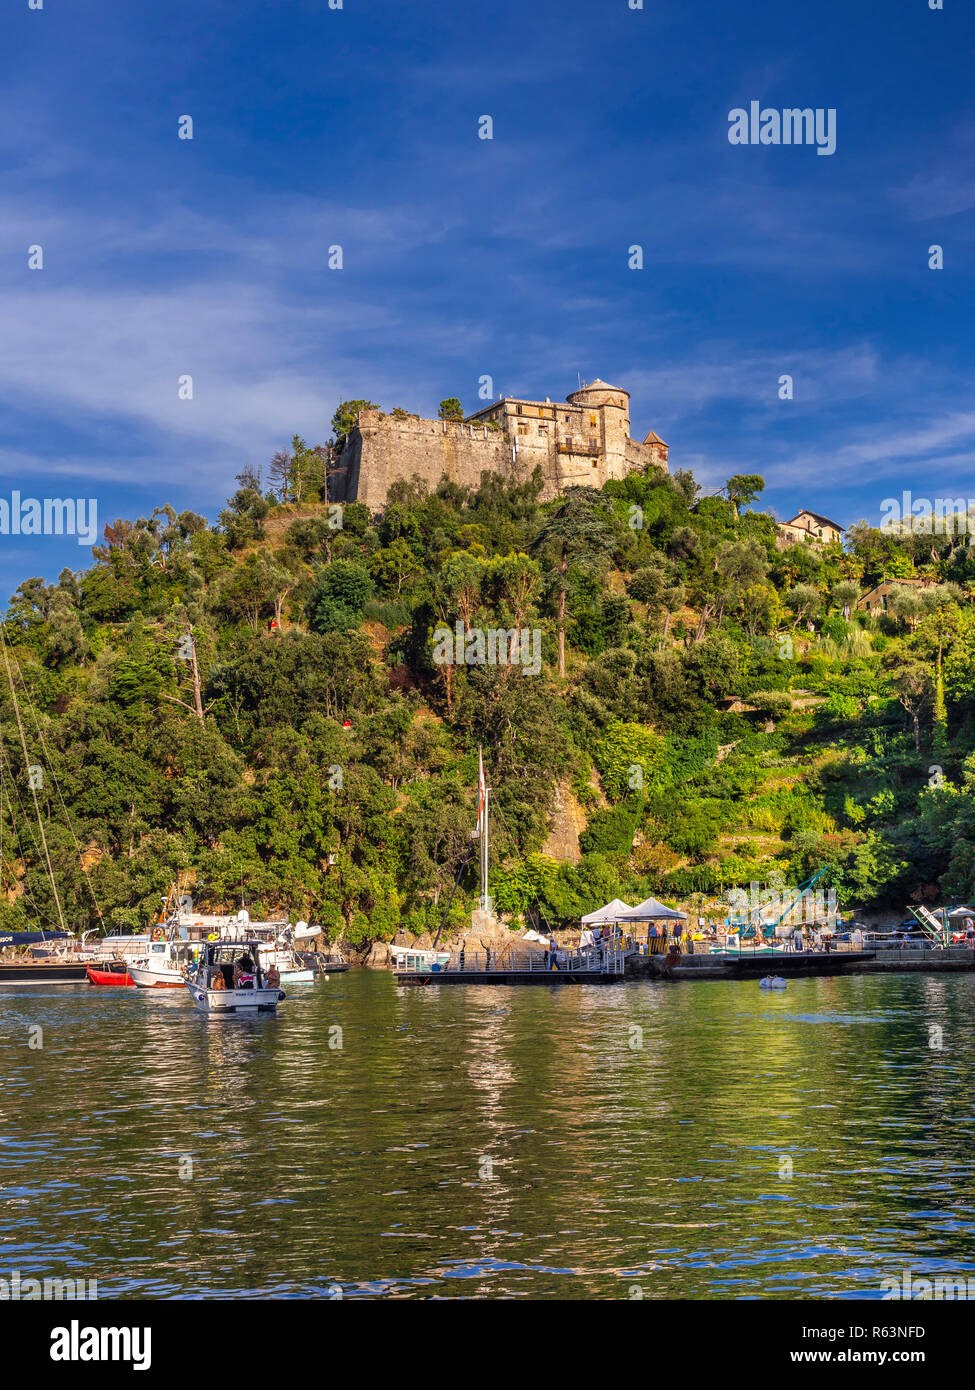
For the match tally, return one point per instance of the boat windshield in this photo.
(236, 959)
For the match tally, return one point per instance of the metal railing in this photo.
(729, 943)
(587, 960)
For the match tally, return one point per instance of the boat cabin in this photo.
(225, 959)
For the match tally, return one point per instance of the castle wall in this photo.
(584, 441)
(384, 448)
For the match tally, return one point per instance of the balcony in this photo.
(576, 446)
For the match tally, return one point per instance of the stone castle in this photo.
(584, 440)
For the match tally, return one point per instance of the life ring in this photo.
(157, 934)
(213, 936)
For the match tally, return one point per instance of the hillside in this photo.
(259, 704)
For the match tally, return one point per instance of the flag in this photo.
(480, 793)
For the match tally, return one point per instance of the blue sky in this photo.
(467, 257)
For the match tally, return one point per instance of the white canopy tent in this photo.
(608, 914)
(652, 911)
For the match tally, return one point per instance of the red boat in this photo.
(110, 973)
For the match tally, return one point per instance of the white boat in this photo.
(409, 958)
(228, 979)
(291, 971)
(164, 965)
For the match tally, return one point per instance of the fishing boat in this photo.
(228, 978)
(163, 966)
(109, 973)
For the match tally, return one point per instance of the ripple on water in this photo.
(459, 1145)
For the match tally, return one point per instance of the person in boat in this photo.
(244, 976)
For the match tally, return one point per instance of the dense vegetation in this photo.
(256, 703)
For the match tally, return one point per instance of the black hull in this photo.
(36, 973)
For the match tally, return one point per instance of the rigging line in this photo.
(27, 892)
(57, 787)
(12, 782)
(33, 789)
(31, 902)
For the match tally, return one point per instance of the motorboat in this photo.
(227, 978)
(291, 969)
(163, 966)
(109, 972)
(410, 958)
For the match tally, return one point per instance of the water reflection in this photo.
(540, 1142)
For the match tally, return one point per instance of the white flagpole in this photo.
(482, 788)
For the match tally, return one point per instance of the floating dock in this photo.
(589, 966)
(880, 960)
(632, 962)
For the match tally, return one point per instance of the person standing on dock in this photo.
(553, 953)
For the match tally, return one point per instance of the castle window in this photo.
(592, 420)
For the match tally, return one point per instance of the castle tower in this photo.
(606, 412)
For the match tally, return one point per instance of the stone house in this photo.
(808, 527)
(875, 600)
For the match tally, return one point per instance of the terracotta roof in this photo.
(823, 520)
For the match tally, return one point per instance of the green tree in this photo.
(579, 527)
(343, 421)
